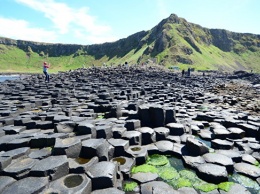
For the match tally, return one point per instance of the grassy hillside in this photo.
(173, 42)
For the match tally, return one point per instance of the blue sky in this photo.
(97, 21)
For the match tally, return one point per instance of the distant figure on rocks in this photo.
(189, 70)
(45, 71)
(182, 72)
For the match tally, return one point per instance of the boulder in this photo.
(103, 175)
(212, 173)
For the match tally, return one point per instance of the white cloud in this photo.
(70, 20)
(94, 39)
(20, 29)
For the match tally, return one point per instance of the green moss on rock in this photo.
(183, 182)
(188, 174)
(168, 173)
(205, 187)
(144, 168)
(130, 186)
(225, 186)
(157, 160)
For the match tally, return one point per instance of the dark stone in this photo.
(103, 175)
(95, 147)
(196, 147)
(81, 165)
(134, 137)
(20, 168)
(248, 170)
(212, 173)
(234, 155)
(108, 191)
(120, 146)
(176, 128)
(222, 144)
(4, 162)
(85, 127)
(40, 154)
(27, 185)
(72, 183)
(157, 187)
(161, 133)
(147, 134)
(16, 153)
(139, 153)
(144, 177)
(5, 181)
(219, 159)
(125, 165)
(70, 147)
(54, 166)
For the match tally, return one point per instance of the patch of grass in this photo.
(205, 187)
(157, 160)
(183, 182)
(144, 168)
(225, 186)
(130, 186)
(168, 173)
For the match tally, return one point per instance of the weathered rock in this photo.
(219, 159)
(125, 165)
(176, 128)
(103, 175)
(161, 133)
(95, 147)
(144, 177)
(157, 187)
(147, 134)
(72, 183)
(81, 165)
(120, 146)
(70, 147)
(212, 173)
(108, 190)
(196, 147)
(27, 185)
(5, 181)
(54, 166)
(139, 153)
(222, 144)
(20, 168)
(247, 169)
(234, 155)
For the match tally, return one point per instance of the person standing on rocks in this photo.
(182, 73)
(45, 71)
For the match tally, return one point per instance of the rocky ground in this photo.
(108, 130)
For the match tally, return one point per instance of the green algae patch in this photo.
(157, 160)
(183, 182)
(130, 186)
(188, 174)
(225, 186)
(144, 168)
(205, 187)
(168, 173)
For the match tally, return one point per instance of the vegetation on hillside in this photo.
(173, 42)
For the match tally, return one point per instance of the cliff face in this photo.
(172, 41)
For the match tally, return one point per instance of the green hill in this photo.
(173, 42)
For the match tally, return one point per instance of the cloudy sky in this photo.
(98, 21)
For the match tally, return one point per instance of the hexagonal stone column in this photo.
(103, 175)
(72, 183)
(70, 147)
(95, 147)
(54, 166)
